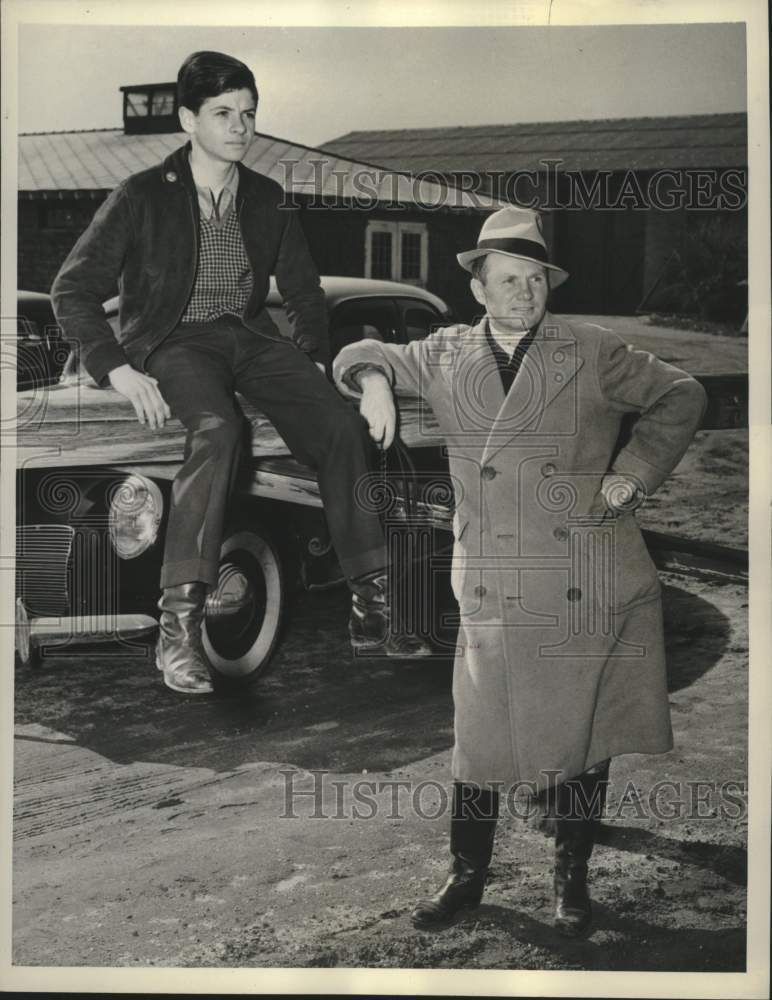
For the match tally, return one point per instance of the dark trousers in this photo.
(199, 367)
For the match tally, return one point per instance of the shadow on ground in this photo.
(317, 707)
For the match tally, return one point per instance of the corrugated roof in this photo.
(686, 141)
(100, 159)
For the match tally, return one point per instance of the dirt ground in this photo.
(154, 830)
(695, 352)
(706, 497)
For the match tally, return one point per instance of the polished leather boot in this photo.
(370, 626)
(179, 652)
(580, 803)
(472, 829)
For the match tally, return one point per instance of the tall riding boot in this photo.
(580, 803)
(179, 652)
(472, 829)
(372, 628)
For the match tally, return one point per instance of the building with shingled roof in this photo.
(642, 212)
(360, 219)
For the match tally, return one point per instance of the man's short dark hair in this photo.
(209, 74)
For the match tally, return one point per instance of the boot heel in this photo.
(441, 911)
(371, 630)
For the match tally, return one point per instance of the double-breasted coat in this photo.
(560, 657)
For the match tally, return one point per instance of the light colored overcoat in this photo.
(560, 658)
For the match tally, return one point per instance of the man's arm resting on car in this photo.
(377, 406)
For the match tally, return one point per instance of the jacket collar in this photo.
(176, 173)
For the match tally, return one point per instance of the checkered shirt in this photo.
(224, 278)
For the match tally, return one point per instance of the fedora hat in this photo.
(514, 232)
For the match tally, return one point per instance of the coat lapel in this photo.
(477, 392)
(550, 364)
(254, 235)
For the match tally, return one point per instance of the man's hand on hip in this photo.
(143, 393)
(377, 407)
(622, 493)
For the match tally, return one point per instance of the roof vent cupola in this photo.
(150, 108)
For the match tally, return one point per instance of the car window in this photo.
(360, 319)
(279, 315)
(419, 320)
(112, 319)
(27, 328)
(41, 351)
(35, 320)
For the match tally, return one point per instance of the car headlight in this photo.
(136, 506)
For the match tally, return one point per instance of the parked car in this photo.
(90, 537)
(90, 533)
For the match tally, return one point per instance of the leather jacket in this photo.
(144, 240)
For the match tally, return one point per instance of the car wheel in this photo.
(244, 612)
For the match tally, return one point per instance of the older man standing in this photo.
(560, 658)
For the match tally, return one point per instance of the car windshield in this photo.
(35, 320)
(27, 328)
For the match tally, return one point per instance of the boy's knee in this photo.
(341, 433)
(215, 433)
(349, 426)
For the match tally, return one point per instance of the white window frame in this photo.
(396, 229)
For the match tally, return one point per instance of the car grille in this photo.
(42, 554)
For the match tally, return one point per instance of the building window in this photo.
(136, 105)
(411, 256)
(381, 246)
(155, 102)
(162, 103)
(397, 251)
(150, 108)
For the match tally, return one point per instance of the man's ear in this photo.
(187, 120)
(478, 290)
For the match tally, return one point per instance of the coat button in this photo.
(574, 594)
(548, 469)
(480, 591)
(561, 534)
(488, 472)
(171, 176)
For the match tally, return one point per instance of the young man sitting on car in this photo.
(191, 244)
